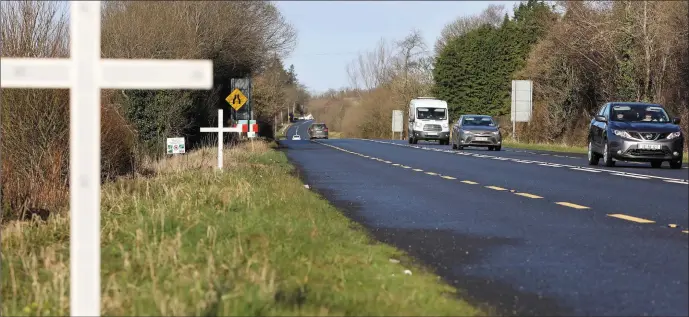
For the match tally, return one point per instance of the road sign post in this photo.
(220, 129)
(522, 103)
(85, 74)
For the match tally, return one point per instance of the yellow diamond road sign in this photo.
(236, 99)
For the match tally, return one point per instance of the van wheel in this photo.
(454, 146)
(410, 141)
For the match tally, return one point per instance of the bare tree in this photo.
(492, 15)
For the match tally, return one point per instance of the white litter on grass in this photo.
(394, 261)
(307, 186)
(408, 272)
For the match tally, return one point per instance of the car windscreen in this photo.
(638, 113)
(431, 113)
(478, 122)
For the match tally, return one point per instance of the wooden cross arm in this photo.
(115, 73)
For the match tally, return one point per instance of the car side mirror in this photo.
(601, 119)
(676, 120)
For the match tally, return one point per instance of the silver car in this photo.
(476, 130)
(318, 131)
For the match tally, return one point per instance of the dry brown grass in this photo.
(248, 241)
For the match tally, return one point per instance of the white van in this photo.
(428, 120)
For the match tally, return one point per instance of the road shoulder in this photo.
(249, 241)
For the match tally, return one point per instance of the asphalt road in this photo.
(527, 233)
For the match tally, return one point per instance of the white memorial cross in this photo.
(85, 73)
(220, 130)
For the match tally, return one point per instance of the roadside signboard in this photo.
(175, 146)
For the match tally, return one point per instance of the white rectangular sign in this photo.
(397, 118)
(175, 146)
(522, 100)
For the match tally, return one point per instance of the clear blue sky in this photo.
(331, 33)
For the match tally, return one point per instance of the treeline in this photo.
(381, 80)
(135, 123)
(579, 55)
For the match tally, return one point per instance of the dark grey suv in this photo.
(634, 131)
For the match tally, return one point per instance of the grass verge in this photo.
(558, 148)
(248, 241)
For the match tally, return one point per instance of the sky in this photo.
(332, 33)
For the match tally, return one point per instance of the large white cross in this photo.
(85, 73)
(220, 130)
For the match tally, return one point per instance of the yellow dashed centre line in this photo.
(404, 166)
(571, 205)
(496, 188)
(448, 177)
(417, 170)
(387, 162)
(528, 195)
(431, 173)
(631, 218)
(469, 182)
(395, 164)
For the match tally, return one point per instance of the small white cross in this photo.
(85, 73)
(220, 130)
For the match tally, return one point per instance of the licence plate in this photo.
(431, 133)
(643, 146)
(481, 138)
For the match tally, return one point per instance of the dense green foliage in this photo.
(474, 71)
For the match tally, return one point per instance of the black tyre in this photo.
(593, 157)
(656, 164)
(497, 148)
(676, 164)
(459, 147)
(607, 158)
(410, 141)
(454, 146)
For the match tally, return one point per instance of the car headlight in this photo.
(674, 135)
(622, 133)
(496, 132)
(467, 132)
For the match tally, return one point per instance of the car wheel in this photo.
(656, 164)
(454, 146)
(414, 141)
(497, 148)
(607, 158)
(409, 138)
(676, 164)
(459, 147)
(592, 156)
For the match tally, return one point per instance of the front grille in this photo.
(637, 152)
(432, 127)
(646, 136)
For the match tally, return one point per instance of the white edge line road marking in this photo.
(631, 218)
(495, 188)
(632, 176)
(677, 181)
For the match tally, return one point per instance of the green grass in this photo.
(248, 241)
(558, 148)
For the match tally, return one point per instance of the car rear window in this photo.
(319, 126)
